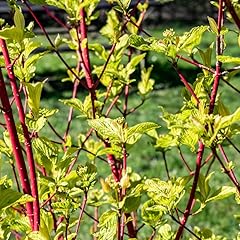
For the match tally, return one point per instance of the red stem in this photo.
(27, 140)
(84, 51)
(105, 65)
(232, 12)
(84, 203)
(233, 176)
(113, 165)
(125, 106)
(70, 114)
(187, 85)
(16, 146)
(184, 160)
(195, 63)
(111, 105)
(55, 18)
(78, 152)
(193, 190)
(219, 50)
(228, 172)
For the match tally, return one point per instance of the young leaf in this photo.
(165, 233)
(166, 194)
(213, 25)
(12, 33)
(34, 91)
(36, 124)
(191, 39)
(133, 198)
(112, 29)
(148, 44)
(18, 19)
(9, 197)
(228, 59)
(107, 226)
(166, 141)
(152, 213)
(135, 132)
(87, 176)
(222, 193)
(130, 67)
(112, 129)
(145, 86)
(75, 103)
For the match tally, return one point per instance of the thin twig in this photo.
(230, 85)
(165, 164)
(84, 203)
(192, 193)
(227, 171)
(189, 230)
(184, 160)
(233, 12)
(186, 84)
(233, 145)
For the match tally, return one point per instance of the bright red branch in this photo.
(16, 146)
(27, 140)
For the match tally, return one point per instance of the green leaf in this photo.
(34, 91)
(99, 50)
(4, 148)
(112, 129)
(114, 150)
(130, 67)
(166, 194)
(224, 122)
(133, 198)
(135, 132)
(203, 184)
(12, 33)
(18, 19)
(147, 44)
(228, 59)
(191, 39)
(165, 233)
(75, 103)
(41, 2)
(124, 4)
(9, 197)
(85, 108)
(19, 223)
(222, 193)
(107, 226)
(30, 46)
(213, 25)
(151, 213)
(87, 176)
(145, 86)
(112, 29)
(36, 124)
(189, 138)
(70, 180)
(47, 112)
(47, 151)
(30, 63)
(166, 141)
(206, 57)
